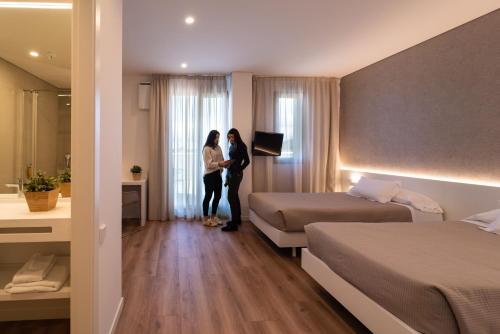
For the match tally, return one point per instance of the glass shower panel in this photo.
(26, 137)
(7, 137)
(47, 125)
(64, 131)
(25, 132)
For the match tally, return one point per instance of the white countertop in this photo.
(17, 209)
(18, 224)
(134, 182)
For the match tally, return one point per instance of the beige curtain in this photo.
(306, 110)
(158, 155)
(197, 104)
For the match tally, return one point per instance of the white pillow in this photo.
(418, 201)
(494, 226)
(376, 190)
(485, 217)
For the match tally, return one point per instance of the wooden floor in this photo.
(181, 277)
(184, 278)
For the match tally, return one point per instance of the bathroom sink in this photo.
(9, 196)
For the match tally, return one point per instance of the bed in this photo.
(282, 216)
(410, 278)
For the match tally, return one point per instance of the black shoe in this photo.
(230, 227)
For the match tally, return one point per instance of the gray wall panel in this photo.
(434, 108)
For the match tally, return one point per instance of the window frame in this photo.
(297, 113)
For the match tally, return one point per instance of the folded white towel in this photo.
(36, 269)
(53, 282)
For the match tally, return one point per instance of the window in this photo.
(194, 110)
(191, 122)
(288, 122)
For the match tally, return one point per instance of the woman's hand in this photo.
(224, 163)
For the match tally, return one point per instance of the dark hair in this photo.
(211, 139)
(237, 136)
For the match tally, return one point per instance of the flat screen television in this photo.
(267, 144)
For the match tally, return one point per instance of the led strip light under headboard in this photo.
(422, 176)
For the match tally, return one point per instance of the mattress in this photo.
(290, 212)
(437, 278)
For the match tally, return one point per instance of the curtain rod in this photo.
(47, 90)
(293, 77)
(192, 74)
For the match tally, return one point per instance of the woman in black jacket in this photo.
(238, 156)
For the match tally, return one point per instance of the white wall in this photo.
(109, 201)
(96, 147)
(135, 126)
(83, 226)
(243, 121)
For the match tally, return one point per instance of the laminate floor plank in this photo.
(182, 277)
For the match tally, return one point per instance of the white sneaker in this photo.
(210, 223)
(217, 221)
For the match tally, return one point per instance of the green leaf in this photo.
(40, 182)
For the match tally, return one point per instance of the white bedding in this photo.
(475, 222)
(422, 217)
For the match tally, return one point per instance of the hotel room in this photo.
(273, 166)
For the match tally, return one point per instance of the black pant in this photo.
(233, 183)
(213, 185)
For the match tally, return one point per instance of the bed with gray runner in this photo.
(290, 212)
(437, 278)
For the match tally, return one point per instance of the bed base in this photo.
(280, 238)
(371, 314)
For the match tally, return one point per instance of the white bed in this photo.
(284, 239)
(371, 314)
(393, 288)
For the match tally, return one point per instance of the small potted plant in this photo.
(65, 182)
(136, 172)
(41, 192)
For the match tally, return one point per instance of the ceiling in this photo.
(46, 31)
(282, 37)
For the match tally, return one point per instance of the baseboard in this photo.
(116, 318)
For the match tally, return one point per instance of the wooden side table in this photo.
(143, 189)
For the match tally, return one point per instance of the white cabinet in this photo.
(21, 234)
(18, 225)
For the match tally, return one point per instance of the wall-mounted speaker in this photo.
(143, 96)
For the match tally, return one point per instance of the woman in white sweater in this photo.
(214, 165)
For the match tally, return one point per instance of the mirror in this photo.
(35, 94)
(43, 139)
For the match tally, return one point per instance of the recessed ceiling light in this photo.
(35, 5)
(34, 54)
(68, 104)
(184, 65)
(189, 20)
